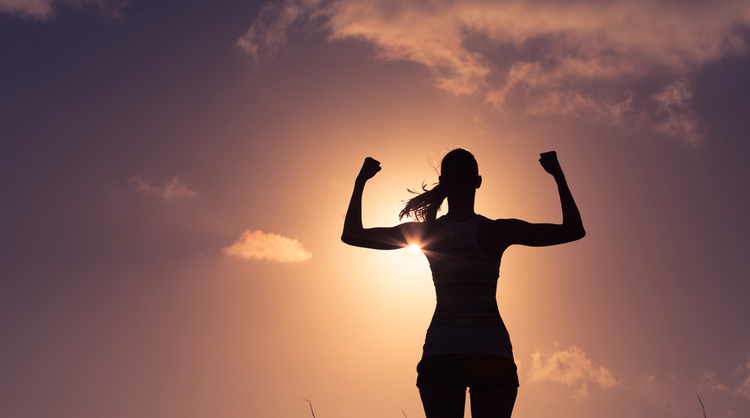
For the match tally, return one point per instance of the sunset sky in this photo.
(174, 177)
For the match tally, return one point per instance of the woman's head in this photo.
(459, 172)
(459, 176)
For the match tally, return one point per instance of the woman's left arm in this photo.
(572, 223)
(539, 235)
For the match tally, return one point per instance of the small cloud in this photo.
(259, 245)
(268, 32)
(40, 9)
(170, 190)
(709, 382)
(744, 388)
(45, 9)
(572, 368)
(675, 114)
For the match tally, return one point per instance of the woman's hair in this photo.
(458, 172)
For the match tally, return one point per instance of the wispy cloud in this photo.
(39, 9)
(259, 245)
(45, 9)
(709, 382)
(572, 368)
(169, 190)
(626, 62)
(268, 33)
(744, 388)
(675, 115)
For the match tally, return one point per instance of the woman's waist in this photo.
(466, 319)
(468, 339)
(466, 303)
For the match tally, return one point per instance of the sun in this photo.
(414, 249)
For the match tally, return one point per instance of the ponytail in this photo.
(459, 174)
(424, 206)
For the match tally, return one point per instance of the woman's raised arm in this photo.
(538, 235)
(376, 238)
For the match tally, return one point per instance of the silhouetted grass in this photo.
(313, 412)
(402, 411)
(704, 408)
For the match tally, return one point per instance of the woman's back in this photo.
(466, 318)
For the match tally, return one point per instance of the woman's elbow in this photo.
(574, 234)
(351, 239)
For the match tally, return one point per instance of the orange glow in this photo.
(414, 249)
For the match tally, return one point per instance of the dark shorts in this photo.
(477, 371)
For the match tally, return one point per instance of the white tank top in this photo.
(466, 318)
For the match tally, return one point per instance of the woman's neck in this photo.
(461, 208)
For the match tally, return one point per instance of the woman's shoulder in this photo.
(434, 235)
(500, 222)
(492, 236)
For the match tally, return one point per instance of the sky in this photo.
(174, 177)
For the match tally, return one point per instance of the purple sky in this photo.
(174, 176)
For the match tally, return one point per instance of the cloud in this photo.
(744, 388)
(572, 368)
(259, 245)
(170, 190)
(268, 32)
(710, 383)
(677, 117)
(45, 9)
(626, 62)
(40, 9)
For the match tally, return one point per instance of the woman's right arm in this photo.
(376, 238)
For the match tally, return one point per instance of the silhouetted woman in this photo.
(467, 344)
